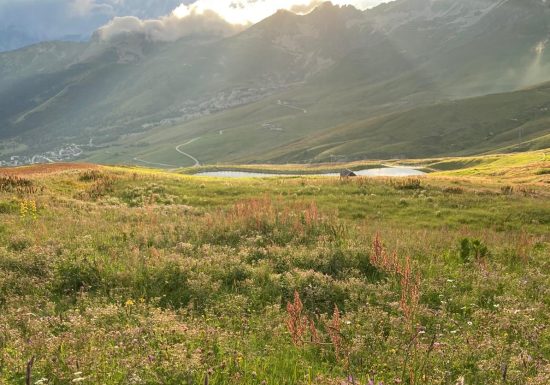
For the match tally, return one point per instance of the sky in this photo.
(28, 21)
(252, 11)
(47, 19)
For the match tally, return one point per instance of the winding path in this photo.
(178, 149)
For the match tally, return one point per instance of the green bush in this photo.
(167, 283)
(19, 243)
(147, 195)
(8, 208)
(75, 276)
(319, 292)
(472, 250)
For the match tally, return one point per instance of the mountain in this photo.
(335, 75)
(12, 38)
(515, 121)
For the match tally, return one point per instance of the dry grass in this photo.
(46, 169)
(177, 280)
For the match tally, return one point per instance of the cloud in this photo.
(54, 19)
(252, 11)
(169, 28)
(213, 17)
(41, 20)
(83, 8)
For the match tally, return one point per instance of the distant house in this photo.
(347, 173)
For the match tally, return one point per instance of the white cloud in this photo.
(219, 17)
(169, 28)
(252, 11)
(82, 8)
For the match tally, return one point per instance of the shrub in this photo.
(8, 207)
(167, 283)
(507, 190)
(19, 243)
(18, 185)
(72, 277)
(406, 183)
(150, 194)
(453, 190)
(319, 292)
(472, 250)
(234, 274)
(91, 176)
(101, 187)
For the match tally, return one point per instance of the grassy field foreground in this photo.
(131, 276)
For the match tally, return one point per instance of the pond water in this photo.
(388, 171)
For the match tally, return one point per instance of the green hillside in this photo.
(517, 121)
(344, 78)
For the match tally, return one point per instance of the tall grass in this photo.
(168, 279)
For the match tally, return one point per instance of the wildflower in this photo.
(296, 323)
(129, 303)
(27, 207)
(334, 332)
(32, 208)
(23, 209)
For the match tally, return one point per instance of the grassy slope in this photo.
(470, 126)
(527, 167)
(126, 275)
(245, 139)
(335, 126)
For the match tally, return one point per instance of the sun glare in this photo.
(245, 11)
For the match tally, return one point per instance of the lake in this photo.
(388, 171)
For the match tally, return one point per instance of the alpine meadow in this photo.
(275, 192)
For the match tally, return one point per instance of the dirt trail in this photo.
(178, 149)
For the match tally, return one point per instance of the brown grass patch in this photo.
(38, 169)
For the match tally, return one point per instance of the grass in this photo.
(119, 275)
(343, 125)
(288, 169)
(525, 166)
